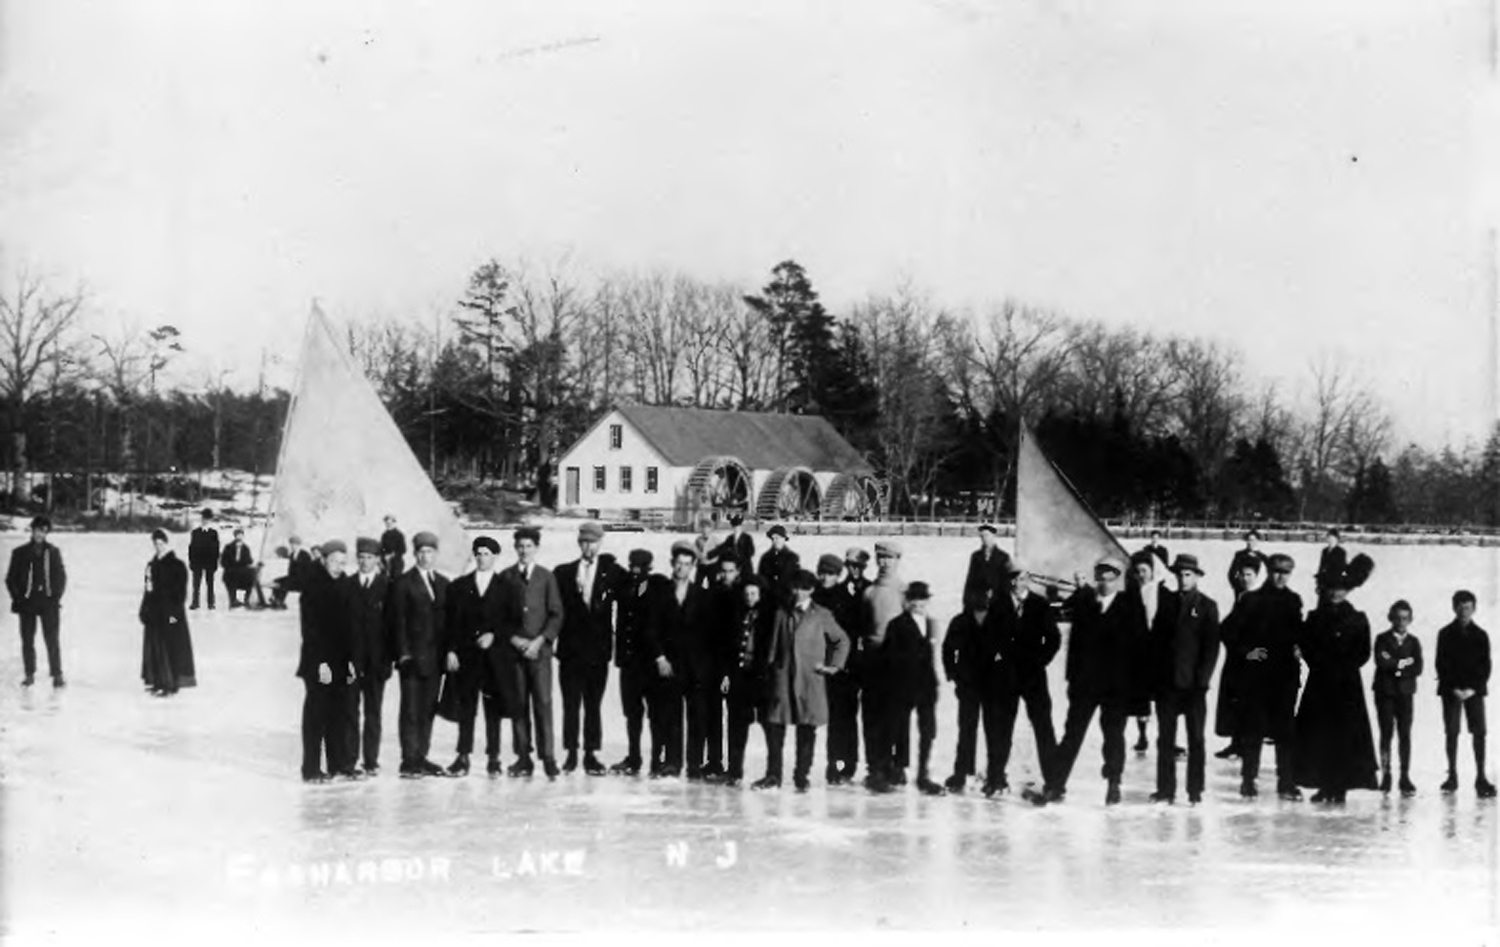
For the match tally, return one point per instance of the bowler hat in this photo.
(918, 591)
(424, 538)
(1186, 562)
(777, 530)
(365, 546)
(206, 513)
(830, 564)
(591, 532)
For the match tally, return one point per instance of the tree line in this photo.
(1145, 425)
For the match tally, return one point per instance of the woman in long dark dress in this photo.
(167, 659)
(1335, 746)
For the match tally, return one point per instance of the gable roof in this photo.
(684, 436)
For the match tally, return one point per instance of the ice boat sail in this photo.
(1057, 535)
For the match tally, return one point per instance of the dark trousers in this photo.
(667, 708)
(969, 710)
(898, 734)
(843, 723)
(740, 702)
(468, 708)
(1112, 720)
(1393, 712)
(1455, 711)
(369, 691)
(49, 621)
(635, 686)
(583, 687)
(418, 706)
(534, 680)
(705, 726)
(876, 717)
(807, 741)
(324, 728)
(1003, 714)
(1192, 707)
(1264, 716)
(199, 575)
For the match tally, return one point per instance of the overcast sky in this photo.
(1297, 179)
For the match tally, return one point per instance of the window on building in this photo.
(624, 479)
(598, 479)
(616, 436)
(650, 479)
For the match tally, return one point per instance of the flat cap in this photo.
(486, 542)
(333, 546)
(988, 528)
(1109, 564)
(830, 564)
(591, 532)
(888, 549)
(424, 538)
(684, 548)
(365, 546)
(857, 556)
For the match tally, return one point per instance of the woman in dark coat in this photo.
(167, 652)
(1335, 746)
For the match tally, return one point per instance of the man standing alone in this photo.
(203, 556)
(36, 581)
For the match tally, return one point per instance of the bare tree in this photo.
(1322, 434)
(37, 327)
(746, 348)
(1206, 402)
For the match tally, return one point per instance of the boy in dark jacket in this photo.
(1463, 672)
(1398, 663)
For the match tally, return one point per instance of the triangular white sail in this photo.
(1057, 537)
(344, 464)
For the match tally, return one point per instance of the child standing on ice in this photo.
(1398, 664)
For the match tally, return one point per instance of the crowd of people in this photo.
(724, 637)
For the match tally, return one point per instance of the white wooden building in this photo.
(638, 460)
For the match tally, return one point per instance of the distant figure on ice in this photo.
(777, 566)
(392, 549)
(239, 570)
(883, 601)
(590, 587)
(1331, 561)
(1155, 549)
(639, 600)
(372, 647)
(1335, 749)
(1398, 664)
(971, 663)
(745, 685)
(203, 556)
(988, 565)
(806, 646)
(708, 552)
(1106, 646)
(842, 749)
(1463, 673)
(909, 683)
(1184, 651)
(300, 567)
(1248, 555)
(327, 670)
(738, 544)
(532, 625)
(419, 605)
(1265, 639)
(36, 581)
(167, 647)
(1227, 710)
(477, 613)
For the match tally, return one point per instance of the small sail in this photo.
(344, 464)
(1057, 536)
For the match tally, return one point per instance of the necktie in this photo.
(365, 581)
(427, 578)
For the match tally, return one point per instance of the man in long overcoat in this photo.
(806, 645)
(1265, 640)
(590, 587)
(419, 605)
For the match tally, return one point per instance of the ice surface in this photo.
(118, 808)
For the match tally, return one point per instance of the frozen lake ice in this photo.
(118, 808)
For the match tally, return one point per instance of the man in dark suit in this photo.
(533, 620)
(239, 569)
(203, 556)
(695, 624)
(1185, 651)
(842, 689)
(1263, 637)
(963, 651)
(419, 603)
(590, 587)
(1332, 561)
(1108, 633)
(989, 564)
(392, 548)
(371, 643)
(36, 581)
(718, 637)
(737, 544)
(638, 601)
(777, 566)
(682, 612)
(910, 686)
(1024, 629)
(327, 669)
(476, 624)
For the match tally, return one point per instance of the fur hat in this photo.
(830, 564)
(365, 546)
(333, 546)
(424, 538)
(640, 558)
(684, 548)
(591, 532)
